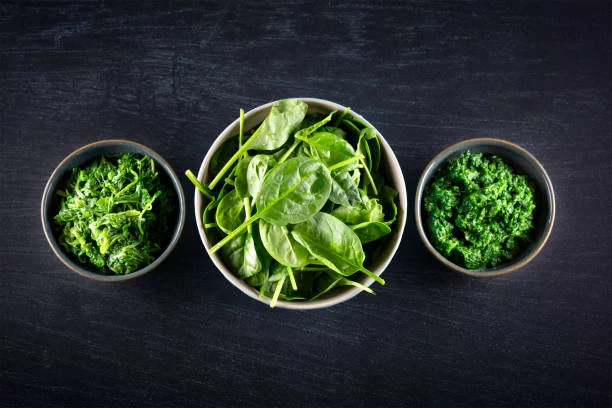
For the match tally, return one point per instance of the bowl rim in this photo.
(440, 159)
(80, 269)
(349, 292)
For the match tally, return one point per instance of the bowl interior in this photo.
(81, 157)
(389, 167)
(523, 162)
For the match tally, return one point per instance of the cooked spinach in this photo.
(114, 213)
(295, 202)
(479, 211)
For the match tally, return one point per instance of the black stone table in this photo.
(173, 74)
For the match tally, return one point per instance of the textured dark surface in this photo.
(426, 74)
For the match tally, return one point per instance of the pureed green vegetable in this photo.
(298, 205)
(114, 213)
(479, 210)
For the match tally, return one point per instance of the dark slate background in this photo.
(173, 74)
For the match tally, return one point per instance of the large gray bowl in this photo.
(390, 168)
(80, 157)
(522, 161)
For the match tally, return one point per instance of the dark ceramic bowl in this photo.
(80, 157)
(523, 162)
(390, 168)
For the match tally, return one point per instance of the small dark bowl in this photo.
(523, 162)
(80, 157)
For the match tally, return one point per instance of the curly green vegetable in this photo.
(114, 213)
(479, 211)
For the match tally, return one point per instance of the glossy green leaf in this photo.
(330, 280)
(331, 149)
(240, 177)
(388, 197)
(368, 141)
(230, 212)
(307, 131)
(258, 167)
(368, 211)
(241, 256)
(332, 129)
(293, 191)
(303, 134)
(359, 123)
(284, 118)
(371, 231)
(279, 243)
(333, 243)
(344, 189)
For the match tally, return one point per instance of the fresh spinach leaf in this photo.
(306, 132)
(258, 167)
(291, 192)
(230, 212)
(303, 134)
(294, 191)
(344, 189)
(331, 149)
(325, 283)
(331, 279)
(240, 177)
(279, 243)
(334, 244)
(284, 118)
(371, 231)
(350, 129)
(241, 256)
(265, 259)
(332, 129)
(368, 211)
(369, 146)
(389, 195)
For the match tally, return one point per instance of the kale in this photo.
(114, 213)
(480, 212)
(297, 203)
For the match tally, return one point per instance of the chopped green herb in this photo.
(479, 211)
(114, 213)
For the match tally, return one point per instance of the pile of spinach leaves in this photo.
(480, 212)
(114, 213)
(297, 201)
